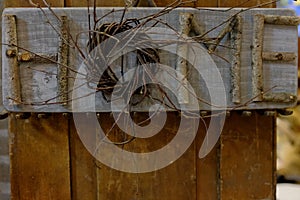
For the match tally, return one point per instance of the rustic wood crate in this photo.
(48, 156)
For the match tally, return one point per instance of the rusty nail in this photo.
(270, 113)
(43, 115)
(203, 113)
(67, 115)
(246, 113)
(228, 113)
(23, 115)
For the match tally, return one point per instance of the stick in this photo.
(257, 68)
(279, 56)
(185, 21)
(236, 40)
(12, 52)
(62, 61)
(282, 20)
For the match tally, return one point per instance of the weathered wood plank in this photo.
(247, 157)
(39, 153)
(37, 91)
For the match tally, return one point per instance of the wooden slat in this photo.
(83, 168)
(177, 181)
(207, 168)
(112, 3)
(120, 3)
(25, 3)
(247, 157)
(245, 3)
(198, 3)
(39, 153)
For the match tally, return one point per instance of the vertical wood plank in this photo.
(207, 168)
(39, 153)
(247, 157)
(83, 168)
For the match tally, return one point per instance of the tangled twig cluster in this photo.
(144, 56)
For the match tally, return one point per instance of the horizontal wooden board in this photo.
(39, 84)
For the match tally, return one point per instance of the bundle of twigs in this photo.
(145, 55)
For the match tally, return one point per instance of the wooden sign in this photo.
(184, 59)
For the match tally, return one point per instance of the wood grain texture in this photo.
(25, 3)
(207, 168)
(39, 153)
(245, 3)
(247, 157)
(177, 181)
(83, 168)
(197, 3)
(120, 3)
(112, 3)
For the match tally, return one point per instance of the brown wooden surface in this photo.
(83, 168)
(39, 153)
(177, 181)
(113, 184)
(25, 3)
(247, 157)
(207, 168)
(245, 3)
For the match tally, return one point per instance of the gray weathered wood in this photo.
(39, 80)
